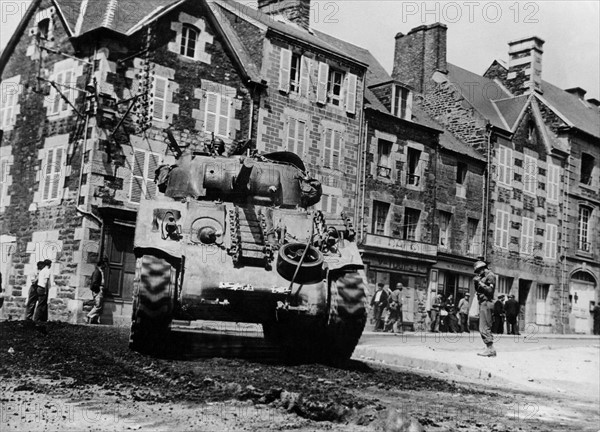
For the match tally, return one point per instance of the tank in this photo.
(235, 239)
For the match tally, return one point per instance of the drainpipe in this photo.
(563, 261)
(364, 180)
(486, 193)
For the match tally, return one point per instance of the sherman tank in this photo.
(235, 238)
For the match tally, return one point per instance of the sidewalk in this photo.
(546, 363)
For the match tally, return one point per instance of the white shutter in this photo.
(553, 182)
(137, 176)
(67, 92)
(159, 98)
(530, 175)
(48, 175)
(53, 173)
(301, 138)
(327, 148)
(305, 74)
(55, 96)
(285, 66)
(210, 122)
(351, 94)
(505, 231)
(336, 146)
(291, 134)
(151, 166)
(322, 83)
(223, 128)
(409, 103)
(551, 241)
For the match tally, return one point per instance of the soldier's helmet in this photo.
(479, 265)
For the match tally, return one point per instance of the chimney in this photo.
(296, 11)
(577, 91)
(418, 54)
(594, 102)
(525, 65)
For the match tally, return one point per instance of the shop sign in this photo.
(399, 245)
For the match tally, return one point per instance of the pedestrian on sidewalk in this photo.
(435, 314)
(40, 314)
(463, 312)
(395, 318)
(597, 319)
(498, 321)
(379, 303)
(512, 309)
(32, 295)
(485, 282)
(97, 287)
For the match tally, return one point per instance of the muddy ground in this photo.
(85, 378)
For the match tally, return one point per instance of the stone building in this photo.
(89, 89)
(541, 195)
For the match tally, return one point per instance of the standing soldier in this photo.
(485, 282)
(512, 309)
(97, 287)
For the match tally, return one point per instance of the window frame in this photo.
(218, 114)
(184, 43)
(55, 176)
(591, 165)
(58, 105)
(583, 230)
(295, 73)
(409, 213)
(527, 241)
(413, 158)
(401, 102)
(380, 208)
(384, 168)
(445, 221)
(471, 245)
(334, 99)
(8, 103)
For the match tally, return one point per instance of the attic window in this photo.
(587, 167)
(189, 38)
(402, 103)
(43, 29)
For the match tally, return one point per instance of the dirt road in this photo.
(85, 378)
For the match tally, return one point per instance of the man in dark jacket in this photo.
(395, 310)
(97, 286)
(485, 285)
(498, 325)
(512, 309)
(435, 314)
(379, 303)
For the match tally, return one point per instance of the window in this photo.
(9, 97)
(444, 238)
(472, 225)
(64, 82)
(587, 167)
(329, 204)
(159, 98)
(504, 285)
(502, 224)
(412, 159)
(551, 241)
(583, 229)
(334, 87)
(402, 102)
(332, 148)
(296, 142)
(144, 165)
(411, 222)
(295, 73)
(384, 161)
(43, 29)
(531, 135)
(530, 174)
(53, 173)
(461, 176)
(505, 163)
(4, 171)
(528, 236)
(380, 214)
(189, 38)
(217, 114)
(553, 181)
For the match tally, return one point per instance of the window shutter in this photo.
(68, 77)
(57, 166)
(160, 93)
(47, 181)
(291, 134)
(336, 149)
(327, 150)
(409, 102)
(223, 129)
(211, 112)
(285, 67)
(56, 99)
(305, 73)
(322, 83)
(505, 232)
(137, 180)
(301, 136)
(153, 161)
(351, 94)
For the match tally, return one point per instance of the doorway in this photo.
(121, 260)
(524, 287)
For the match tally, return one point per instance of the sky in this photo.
(478, 31)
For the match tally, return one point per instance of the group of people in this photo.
(387, 309)
(447, 317)
(36, 306)
(508, 310)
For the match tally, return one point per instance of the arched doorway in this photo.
(582, 299)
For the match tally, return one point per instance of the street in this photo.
(85, 378)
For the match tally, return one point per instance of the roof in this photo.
(480, 92)
(510, 109)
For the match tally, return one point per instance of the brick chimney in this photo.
(297, 11)
(577, 91)
(525, 65)
(418, 54)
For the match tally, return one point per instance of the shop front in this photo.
(452, 275)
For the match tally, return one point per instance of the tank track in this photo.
(248, 239)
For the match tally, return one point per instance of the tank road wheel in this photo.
(347, 318)
(152, 310)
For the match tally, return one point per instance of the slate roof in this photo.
(510, 109)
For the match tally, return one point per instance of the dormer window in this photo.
(43, 29)
(402, 102)
(189, 39)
